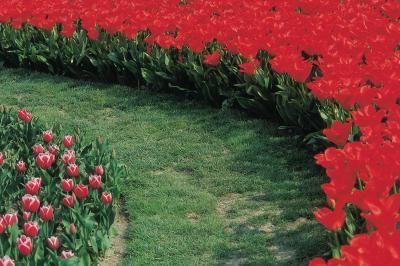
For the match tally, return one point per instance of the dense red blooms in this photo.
(212, 59)
(354, 46)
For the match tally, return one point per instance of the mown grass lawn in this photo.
(205, 186)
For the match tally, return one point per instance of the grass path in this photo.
(205, 186)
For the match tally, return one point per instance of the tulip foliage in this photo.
(50, 215)
(315, 64)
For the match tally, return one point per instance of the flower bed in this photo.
(239, 52)
(57, 194)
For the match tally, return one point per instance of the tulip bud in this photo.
(81, 191)
(72, 229)
(45, 160)
(3, 225)
(46, 213)
(95, 181)
(32, 186)
(47, 136)
(73, 170)
(24, 115)
(53, 243)
(10, 219)
(99, 170)
(7, 261)
(66, 254)
(38, 148)
(1, 158)
(68, 201)
(31, 229)
(106, 198)
(67, 184)
(21, 166)
(68, 141)
(24, 245)
(30, 203)
(26, 215)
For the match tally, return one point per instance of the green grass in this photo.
(205, 186)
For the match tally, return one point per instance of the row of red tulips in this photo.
(60, 210)
(346, 51)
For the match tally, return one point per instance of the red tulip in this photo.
(53, 243)
(249, 67)
(332, 220)
(38, 148)
(68, 141)
(32, 186)
(95, 181)
(66, 254)
(24, 115)
(72, 229)
(45, 160)
(81, 191)
(338, 133)
(68, 201)
(67, 184)
(21, 166)
(24, 245)
(68, 157)
(212, 59)
(10, 219)
(26, 215)
(3, 225)
(30, 203)
(54, 149)
(46, 213)
(106, 198)
(6, 261)
(99, 170)
(47, 136)
(1, 158)
(31, 229)
(73, 170)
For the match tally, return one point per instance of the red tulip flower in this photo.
(38, 148)
(66, 254)
(81, 191)
(10, 219)
(21, 166)
(68, 141)
(45, 160)
(46, 213)
(212, 59)
(30, 203)
(73, 170)
(54, 149)
(68, 157)
(1, 158)
(7, 261)
(332, 220)
(3, 225)
(24, 115)
(95, 181)
(31, 229)
(26, 215)
(32, 186)
(53, 243)
(249, 67)
(24, 245)
(72, 229)
(47, 136)
(106, 198)
(68, 201)
(338, 133)
(99, 170)
(67, 185)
